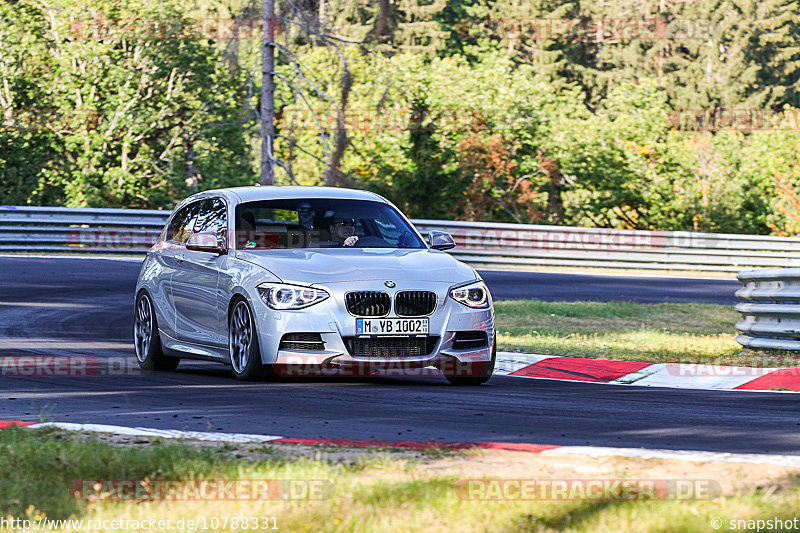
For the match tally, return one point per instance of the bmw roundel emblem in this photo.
(391, 284)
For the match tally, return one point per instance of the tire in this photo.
(146, 340)
(243, 350)
(479, 379)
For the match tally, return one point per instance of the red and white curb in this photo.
(542, 449)
(672, 375)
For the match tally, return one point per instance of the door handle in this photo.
(179, 258)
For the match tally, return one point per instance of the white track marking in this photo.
(680, 455)
(508, 362)
(693, 376)
(164, 433)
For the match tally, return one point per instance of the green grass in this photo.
(374, 495)
(58, 458)
(690, 333)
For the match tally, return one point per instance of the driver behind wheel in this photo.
(343, 231)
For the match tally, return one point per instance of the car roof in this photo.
(279, 192)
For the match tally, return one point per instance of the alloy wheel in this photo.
(143, 327)
(241, 337)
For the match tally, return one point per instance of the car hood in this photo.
(322, 266)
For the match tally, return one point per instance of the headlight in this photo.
(279, 296)
(474, 295)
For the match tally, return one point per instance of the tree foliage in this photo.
(449, 108)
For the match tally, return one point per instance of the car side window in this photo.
(182, 223)
(212, 216)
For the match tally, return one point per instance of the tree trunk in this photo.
(555, 184)
(268, 94)
(381, 28)
(193, 181)
(334, 177)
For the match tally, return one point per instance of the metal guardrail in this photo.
(80, 230)
(770, 310)
(524, 245)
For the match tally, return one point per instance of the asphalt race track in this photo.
(83, 307)
(509, 285)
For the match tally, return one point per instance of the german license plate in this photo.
(391, 326)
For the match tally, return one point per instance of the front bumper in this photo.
(333, 322)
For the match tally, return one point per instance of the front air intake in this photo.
(470, 340)
(368, 303)
(306, 342)
(390, 346)
(414, 303)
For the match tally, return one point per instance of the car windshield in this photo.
(321, 223)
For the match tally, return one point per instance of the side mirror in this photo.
(441, 240)
(206, 241)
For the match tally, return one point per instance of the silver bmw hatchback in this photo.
(309, 281)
